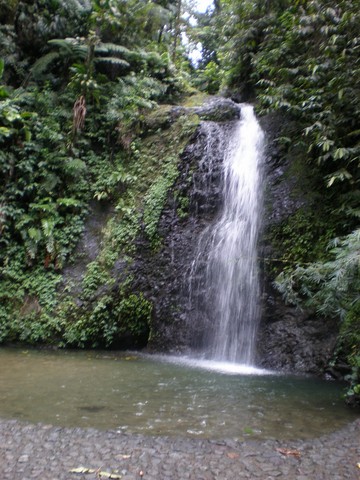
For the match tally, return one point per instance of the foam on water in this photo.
(214, 365)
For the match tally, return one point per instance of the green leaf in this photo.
(34, 234)
(48, 226)
(340, 175)
(111, 47)
(6, 132)
(3, 92)
(69, 202)
(341, 153)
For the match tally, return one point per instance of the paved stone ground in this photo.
(50, 453)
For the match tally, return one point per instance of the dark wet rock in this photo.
(89, 246)
(289, 339)
(162, 275)
(296, 341)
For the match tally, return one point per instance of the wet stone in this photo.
(25, 453)
(24, 458)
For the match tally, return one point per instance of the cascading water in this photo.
(224, 279)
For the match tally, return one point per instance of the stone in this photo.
(24, 458)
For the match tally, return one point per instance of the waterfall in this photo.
(224, 279)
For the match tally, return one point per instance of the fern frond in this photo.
(48, 225)
(111, 47)
(62, 44)
(34, 234)
(70, 47)
(113, 60)
(42, 64)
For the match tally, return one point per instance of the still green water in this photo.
(154, 395)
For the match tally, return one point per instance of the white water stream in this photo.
(230, 279)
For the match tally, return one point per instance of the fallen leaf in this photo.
(99, 473)
(358, 465)
(108, 475)
(122, 456)
(289, 452)
(232, 455)
(83, 470)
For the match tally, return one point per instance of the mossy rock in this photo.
(218, 110)
(159, 119)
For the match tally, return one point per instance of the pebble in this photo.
(43, 452)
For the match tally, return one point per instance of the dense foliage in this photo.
(78, 80)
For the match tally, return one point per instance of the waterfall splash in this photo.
(224, 277)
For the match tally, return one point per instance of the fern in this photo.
(70, 47)
(111, 47)
(41, 65)
(330, 287)
(69, 50)
(113, 61)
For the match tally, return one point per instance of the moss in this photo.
(303, 235)
(159, 157)
(134, 313)
(183, 203)
(135, 181)
(158, 119)
(195, 100)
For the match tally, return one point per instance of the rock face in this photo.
(289, 339)
(192, 204)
